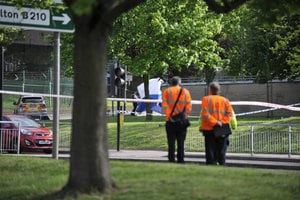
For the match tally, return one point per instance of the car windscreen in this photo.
(25, 122)
(32, 100)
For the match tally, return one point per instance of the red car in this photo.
(33, 136)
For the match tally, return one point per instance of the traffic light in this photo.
(120, 74)
(111, 81)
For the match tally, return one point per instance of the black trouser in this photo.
(175, 133)
(215, 148)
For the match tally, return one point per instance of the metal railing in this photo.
(9, 138)
(248, 138)
(256, 138)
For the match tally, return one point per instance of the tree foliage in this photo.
(33, 3)
(261, 46)
(272, 10)
(162, 36)
(286, 49)
(9, 35)
(67, 49)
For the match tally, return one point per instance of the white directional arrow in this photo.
(65, 18)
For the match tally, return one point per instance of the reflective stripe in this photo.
(187, 109)
(210, 109)
(217, 112)
(170, 99)
(227, 113)
(207, 115)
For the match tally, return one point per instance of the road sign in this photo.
(56, 20)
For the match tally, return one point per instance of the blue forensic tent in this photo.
(154, 93)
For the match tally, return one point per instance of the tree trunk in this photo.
(89, 162)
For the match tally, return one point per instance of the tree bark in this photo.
(89, 163)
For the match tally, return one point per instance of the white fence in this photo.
(256, 138)
(9, 138)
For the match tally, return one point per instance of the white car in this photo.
(32, 106)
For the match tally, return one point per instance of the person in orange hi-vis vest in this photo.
(216, 111)
(173, 130)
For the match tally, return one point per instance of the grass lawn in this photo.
(39, 178)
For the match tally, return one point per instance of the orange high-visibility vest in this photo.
(169, 98)
(215, 108)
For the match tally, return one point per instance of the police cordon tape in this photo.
(251, 103)
(35, 94)
(265, 110)
(272, 106)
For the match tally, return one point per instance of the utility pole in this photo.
(56, 100)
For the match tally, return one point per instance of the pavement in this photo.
(265, 161)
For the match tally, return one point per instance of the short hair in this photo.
(176, 80)
(215, 88)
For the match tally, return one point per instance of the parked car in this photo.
(33, 136)
(33, 106)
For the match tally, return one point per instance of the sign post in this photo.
(54, 20)
(56, 100)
